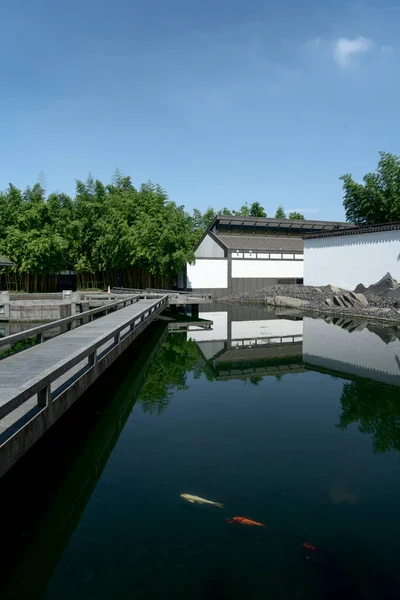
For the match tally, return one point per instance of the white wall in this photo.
(208, 274)
(265, 328)
(361, 352)
(348, 260)
(209, 249)
(267, 268)
(219, 329)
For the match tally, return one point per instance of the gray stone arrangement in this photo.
(381, 299)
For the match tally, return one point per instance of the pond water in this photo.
(293, 423)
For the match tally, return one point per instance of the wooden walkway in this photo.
(39, 384)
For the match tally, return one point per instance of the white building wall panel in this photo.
(348, 260)
(209, 249)
(338, 349)
(219, 329)
(208, 274)
(267, 268)
(265, 328)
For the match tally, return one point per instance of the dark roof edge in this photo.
(354, 230)
(275, 220)
(213, 237)
(216, 239)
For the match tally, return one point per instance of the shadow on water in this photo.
(45, 494)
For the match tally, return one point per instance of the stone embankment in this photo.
(378, 300)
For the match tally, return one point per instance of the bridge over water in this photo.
(39, 384)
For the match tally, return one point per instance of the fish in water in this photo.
(309, 546)
(244, 521)
(194, 499)
(314, 548)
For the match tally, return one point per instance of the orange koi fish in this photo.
(244, 521)
(309, 547)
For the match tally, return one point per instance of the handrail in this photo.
(41, 385)
(40, 329)
(121, 290)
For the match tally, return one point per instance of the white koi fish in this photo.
(193, 499)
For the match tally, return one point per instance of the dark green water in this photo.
(277, 432)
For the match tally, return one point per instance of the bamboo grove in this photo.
(108, 234)
(112, 234)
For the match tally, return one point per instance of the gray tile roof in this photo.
(272, 222)
(4, 262)
(261, 242)
(356, 230)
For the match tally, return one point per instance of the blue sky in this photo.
(219, 101)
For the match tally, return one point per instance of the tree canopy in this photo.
(377, 200)
(102, 231)
(280, 213)
(296, 215)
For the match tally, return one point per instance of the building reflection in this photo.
(250, 342)
(246, 341)
(353, 348)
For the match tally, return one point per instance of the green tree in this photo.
(256, 210)
(376, 410)
(296, 215)
(103, 231)
(377, 200)
(280, 213)
(244, 211)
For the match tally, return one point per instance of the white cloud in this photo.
(346, 50)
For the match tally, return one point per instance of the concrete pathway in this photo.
(20, 370)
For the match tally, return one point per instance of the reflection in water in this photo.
(177, 358)
(350, 347)
(376, 409)
(263, 437)
(240, 345)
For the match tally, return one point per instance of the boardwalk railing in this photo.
(70, 322)
(121, 290)
(41, 385)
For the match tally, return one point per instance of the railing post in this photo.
(44, 396)
(40, 338)
(92, 359)
(90, 318)
(117, 338)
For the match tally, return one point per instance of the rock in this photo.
(393, 293)
(383, 285)
(329, 301)
(360, 298)
(287, 301)
(387, 335)
(397, 304)
(348, 300)
(332, 289)
(360, 289)
(338, 301)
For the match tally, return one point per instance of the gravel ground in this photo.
(384, 306)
